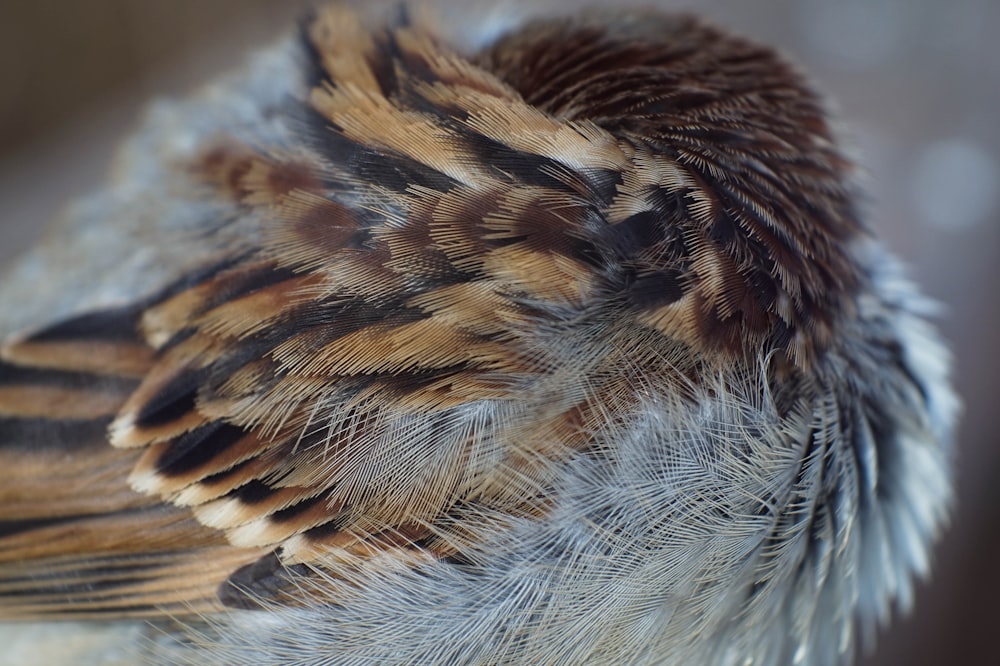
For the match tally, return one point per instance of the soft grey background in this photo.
(916, 83)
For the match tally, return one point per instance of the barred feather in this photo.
(571, 350)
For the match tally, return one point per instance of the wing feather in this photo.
(457, 269)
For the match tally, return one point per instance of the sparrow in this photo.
(572, 347)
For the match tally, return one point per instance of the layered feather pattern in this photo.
(471, 291)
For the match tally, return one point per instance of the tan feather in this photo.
(457, 273)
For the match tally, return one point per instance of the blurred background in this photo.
(915, 82)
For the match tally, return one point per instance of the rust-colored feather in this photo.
(75, 539)
(379, 361)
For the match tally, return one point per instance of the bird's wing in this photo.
(449, 281)
(74, 537)
(363, 370)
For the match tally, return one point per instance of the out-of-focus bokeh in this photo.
(915, 82)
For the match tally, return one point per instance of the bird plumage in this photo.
(571, 350)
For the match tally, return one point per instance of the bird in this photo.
(574, 346)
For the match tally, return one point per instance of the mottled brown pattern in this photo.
(741, 146)
(634, 176)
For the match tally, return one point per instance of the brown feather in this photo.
(450, 221)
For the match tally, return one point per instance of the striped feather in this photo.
(461, 273)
